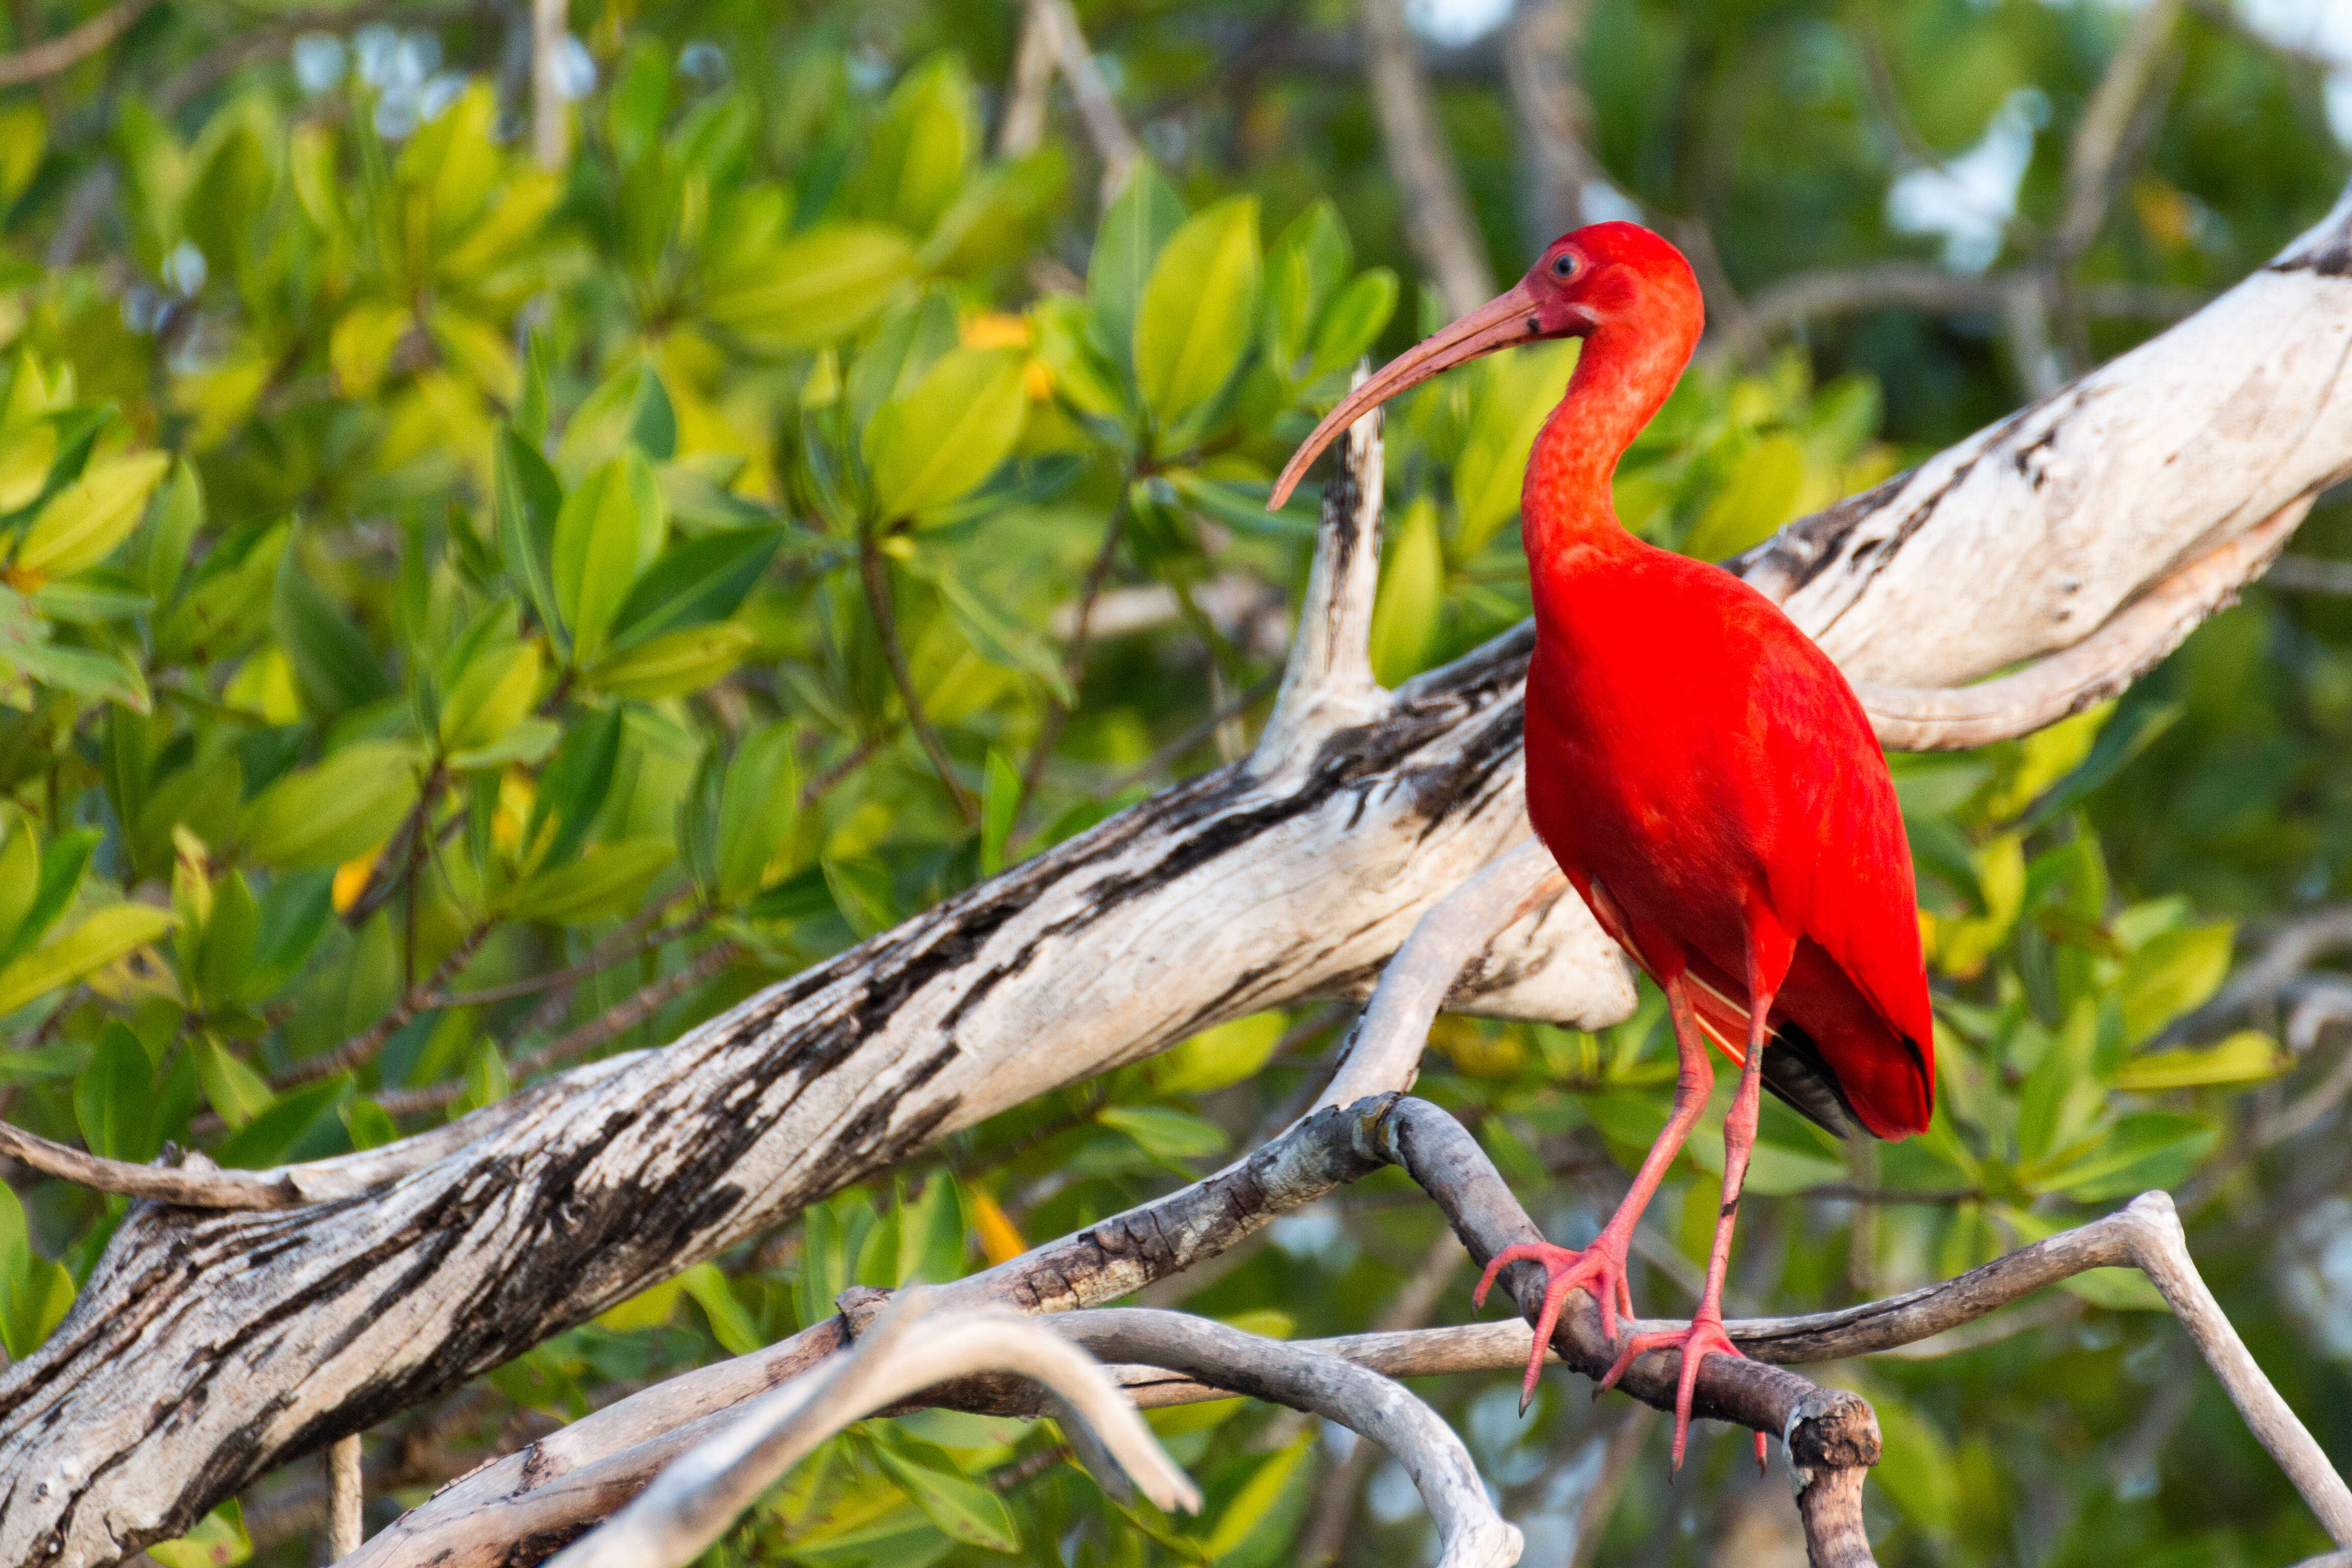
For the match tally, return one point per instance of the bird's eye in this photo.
(1563, 265)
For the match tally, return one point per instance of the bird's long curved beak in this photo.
(1509, 318)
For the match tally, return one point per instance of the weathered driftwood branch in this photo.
(904, 1350)
(1248, 888)
(1471, 1534)
(345, 1521)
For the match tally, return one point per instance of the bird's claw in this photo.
(1599, 1270)
(1702, 1337)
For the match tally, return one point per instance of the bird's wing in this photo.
(1839, 865)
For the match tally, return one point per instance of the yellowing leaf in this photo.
(2172, 972)
(360, 347)
(101, 938)
(25, 453)
(676, 662)
(646, 1310)
(82, 523)
(999, 1239)
(2248, 1056)
(1216, 1057)
(817, 286)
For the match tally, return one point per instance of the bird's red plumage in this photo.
(1693, 754)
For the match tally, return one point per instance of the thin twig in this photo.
(418, 997)
(344, 1523)
(1074, 656)
(1022, 127)
(1114, 143)
(885, 625)
(618, 1019)
(631, 941)
(48, 57)
(906, 1349)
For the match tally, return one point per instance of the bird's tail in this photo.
(1794, 1069)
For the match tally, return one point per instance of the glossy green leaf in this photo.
(526, 501)
(675, 661)
(941, 439)
(600, 880)
(1412, 596)
(2248, 1056)
(758, 804)
(694, 583)
(81, 524)
(1134, 228)
(964, 1510)
(2172, 972)
(608, 532)
(89, 945)
(730, 1325)
(234, 1090)
(817, 286)
(1164, 1132)
(1192, 325)
(324, 815)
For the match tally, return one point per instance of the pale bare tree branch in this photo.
(1438, 224)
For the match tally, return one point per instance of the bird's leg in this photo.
(1705, 1336)
(1600, 1269)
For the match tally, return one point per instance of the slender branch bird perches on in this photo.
(1701, 771)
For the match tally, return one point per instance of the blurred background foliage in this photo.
(509, 549)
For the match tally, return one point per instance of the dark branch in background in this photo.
(1781, 307)
(1438, 226)
(362, 1047)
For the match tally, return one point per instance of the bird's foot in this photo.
(1702, 1338)
(1599, 1270)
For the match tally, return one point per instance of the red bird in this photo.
(1700, 769)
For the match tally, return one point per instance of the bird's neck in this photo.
(1567, 519)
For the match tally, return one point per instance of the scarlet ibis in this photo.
(1701, 771)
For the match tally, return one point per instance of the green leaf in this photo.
(817, 286)
(20, 874)
(572, 787)
(607, 532)
(1411, 594)
(369, 1123)
(1134, 227)
(1354, 321)
(111, 674)
(114, 1098)
(931, 1234)
(999, 800)
(730, 1325)
(336, 668)
(2170, 973)
(1254, 1503)
(602, 879)
(1758, 495)
(2118, 1291)
(172, 525)
(757, 803)
(527, 741)
(64, 859)
(226, 948)
(490, 696)
(81, 524)
(941, 440)
(233, 1089)
(675, 663)
(631, 408)
(1216, 1057)
(303, 1123)
(99, 940)
(1306, 265)
(325, 815)
(218, 1540)
(964, 1510)
(694, 583)
(1192, 325)
(996, 637)
(526, 498)
(35, 1292)
(1916, 1465)
(929, 133)
(2154, 1149)
(2249, 1056)
(1164, 1132)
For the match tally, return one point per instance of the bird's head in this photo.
(1614, 279)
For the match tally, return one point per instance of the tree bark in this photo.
(207, 1348)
